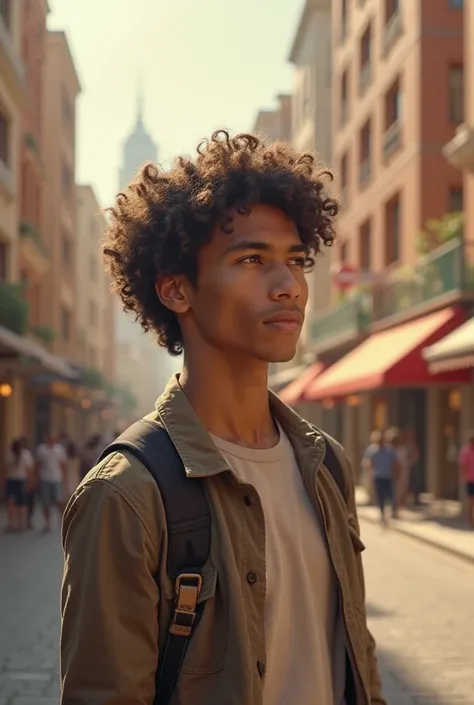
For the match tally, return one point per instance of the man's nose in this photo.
(284, 285)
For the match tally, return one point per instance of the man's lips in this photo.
(285, 321)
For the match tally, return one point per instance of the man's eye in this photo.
(299, 262)
(252, 259)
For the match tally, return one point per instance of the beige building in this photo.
(94, 308)
(312, 123)
(58, 305)
(275, 124)
(12, 100)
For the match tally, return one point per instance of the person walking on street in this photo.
(19, 465)
(51, 462)
(381, 458)
(466, 463)
(213, 555)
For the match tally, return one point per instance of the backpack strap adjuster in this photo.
(188, 588)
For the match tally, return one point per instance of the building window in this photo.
(365, 153)
(345, 97)
(93, 313)
(365, 76)
(66, 107)
(365, 247)
(67, 180)
(65, 324)
(393, 25)
(5, 13)
(393, 119)
(4, 139)
(344, 178)
(3, 261)
(344, 19)
(66, 250)
(392, 230)
(93, 268)
(456, 94)
(344, 253)
(456, 200)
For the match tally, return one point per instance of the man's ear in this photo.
(173, 293)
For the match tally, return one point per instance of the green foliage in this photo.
(439, 231)
(14, 310)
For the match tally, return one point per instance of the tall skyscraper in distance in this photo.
(139, 147)
(141, 364)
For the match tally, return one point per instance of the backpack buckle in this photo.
(187, 587)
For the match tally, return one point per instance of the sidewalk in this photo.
(437, 524)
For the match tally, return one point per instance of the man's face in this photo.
(251, 291)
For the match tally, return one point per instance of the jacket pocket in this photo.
(207, 646)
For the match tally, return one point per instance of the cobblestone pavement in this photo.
(420, 605)
(421, 611)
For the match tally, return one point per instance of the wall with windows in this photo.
(397, 70)
(12, 93)
(61, 87)
(93, 302)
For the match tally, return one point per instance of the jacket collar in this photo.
(199, 454)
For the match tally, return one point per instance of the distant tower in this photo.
(139, 147)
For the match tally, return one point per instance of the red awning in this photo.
(391, 358)
(295, 392)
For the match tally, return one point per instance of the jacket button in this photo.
(261, 668)
(251, 578)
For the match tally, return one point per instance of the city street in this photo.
(419, 601)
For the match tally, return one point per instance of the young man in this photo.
(212, 256)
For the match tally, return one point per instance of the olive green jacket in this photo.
(115, 610)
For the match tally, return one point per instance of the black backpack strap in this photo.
(334, 466)
(188, 520)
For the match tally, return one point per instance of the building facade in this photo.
(312, 122)
(398, 81)
(275, 124)
(94, 310)
(13, 95)
(57, 401)
(34, 260)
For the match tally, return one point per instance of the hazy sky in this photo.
(202, 65)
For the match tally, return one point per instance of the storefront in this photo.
(455, 352)
(392, 383)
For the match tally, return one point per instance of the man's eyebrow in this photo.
(244, 245)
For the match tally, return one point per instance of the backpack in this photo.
(188, 521)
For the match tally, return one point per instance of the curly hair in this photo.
(162, 220)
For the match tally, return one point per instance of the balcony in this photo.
(460, 150)
(11, 66)
(393, 30)
(365, 172)
(447, 272)
(392, 139)
(33, 249)
(365, 77)
(13, 308)
(340, 324)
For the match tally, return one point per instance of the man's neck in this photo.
(231, 400)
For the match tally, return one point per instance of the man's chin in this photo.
(275, 356)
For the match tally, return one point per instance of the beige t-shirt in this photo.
(304, 634)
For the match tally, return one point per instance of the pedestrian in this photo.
(72, 471)
(19, 465)
(51, 461)
(213, 555)
(402, 479)
(466, 464)
(381, 458)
